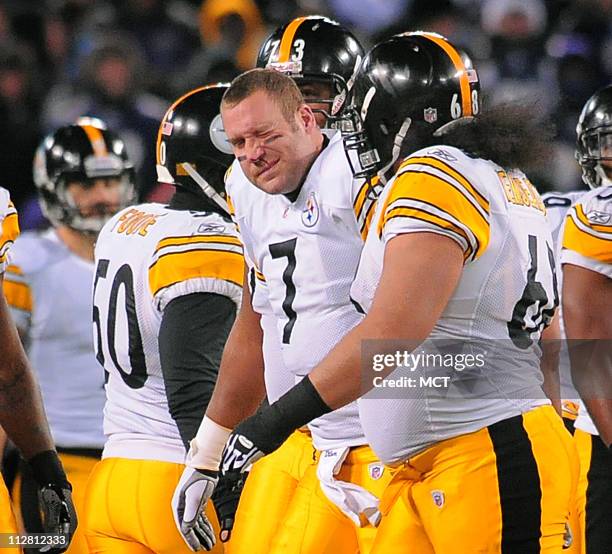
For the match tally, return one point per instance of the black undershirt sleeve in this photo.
(192, 335)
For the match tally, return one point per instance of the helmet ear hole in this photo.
(384, 127)
(192, 145)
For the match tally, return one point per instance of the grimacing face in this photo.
(274, 153)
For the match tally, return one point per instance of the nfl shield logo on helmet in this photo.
(376, 471)
(310, 213)
(438, 498)
(430, 115)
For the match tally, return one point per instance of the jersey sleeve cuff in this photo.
(574, 258)
(200, 284)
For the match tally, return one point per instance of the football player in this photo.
(83, 176)
(458, 260)
(321, 56)
(23, 418)
(300, 215)
(587, 309)
(168, 280)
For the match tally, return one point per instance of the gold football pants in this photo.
(7, 518)
(504, 489)
(128, 508)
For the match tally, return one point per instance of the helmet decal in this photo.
(466, 98)
(97, 140)
(218, 136)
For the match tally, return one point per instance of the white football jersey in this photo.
(48, 289)
(307, 251)
(505, 296)
(557, 205)
(278, 379)
(587, 242)
(146, 256)
(9, 227)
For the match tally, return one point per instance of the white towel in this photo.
(352, 499)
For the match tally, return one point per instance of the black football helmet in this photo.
(315, 49)
(594, 138)
(192, 148)
(417, 82)
(80, 153)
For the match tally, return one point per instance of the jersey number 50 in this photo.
(123, 278)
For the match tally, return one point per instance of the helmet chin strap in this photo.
(395, 151)
(207, 189)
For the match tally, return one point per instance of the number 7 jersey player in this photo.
(299, 213)
(167, 285)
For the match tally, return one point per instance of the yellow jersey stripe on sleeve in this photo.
(198, 240)
(18, 295)
(173, 268)
(441, 199)
(448, 227)
(10, 231)
(259, 275)
(15, 270)
(582, 217)
(451, 172)
(578, 239)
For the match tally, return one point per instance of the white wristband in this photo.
(206, 448)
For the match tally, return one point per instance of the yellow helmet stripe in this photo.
(284, 50)
(98, 144)
(466, 98)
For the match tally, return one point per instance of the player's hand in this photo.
(226, 498)
(252, 439)
(58, 515)
(54, 498)
(193, 491)
(269, 427)
(240, 453)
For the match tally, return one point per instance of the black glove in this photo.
(226, 498)
(270, 426)
(54, 499)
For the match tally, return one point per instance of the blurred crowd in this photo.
(124, 60)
